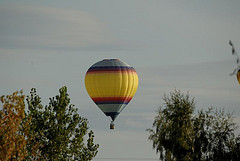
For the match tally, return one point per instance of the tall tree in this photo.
(214, 137)
(12, 129)
(179, 134)
(172, 136)
(59, 129)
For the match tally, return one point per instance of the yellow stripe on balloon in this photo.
(119, 84)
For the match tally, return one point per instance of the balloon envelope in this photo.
(238, 76)
(111, 84)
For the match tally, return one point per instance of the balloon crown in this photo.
(110, 59)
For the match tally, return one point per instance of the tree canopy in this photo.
(12, 128)
(52, 132)
(181, 134)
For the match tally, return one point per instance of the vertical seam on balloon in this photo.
(89, 88)
(120, 74)
(115, 85)
(135, 76)
(120, 81)
(126, 95)
(133, 81)
(95, 86)
(122, 70)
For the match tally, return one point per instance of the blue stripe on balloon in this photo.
(109, 68)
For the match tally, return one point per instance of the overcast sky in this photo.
(171, 44)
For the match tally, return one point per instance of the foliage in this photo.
(13, 130)
(53, 132)
(59, 129)
(214, 136)
(180, 135)
(173, 135)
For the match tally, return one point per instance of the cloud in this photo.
(31, 26)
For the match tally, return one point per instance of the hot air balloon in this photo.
(237, 70)
(111, 84)
(238, 76)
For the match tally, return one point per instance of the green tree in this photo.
(172, 136)
(59, 129)
(178, 134)
(214, 137)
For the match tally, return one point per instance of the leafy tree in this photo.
(59, 129)
(179, 134)
(172, 137)
(12, 129)
(214, 137)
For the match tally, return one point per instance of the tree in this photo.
(172, 137)
(179, 134)
(214, 137)
(13, 131)
(58, 129)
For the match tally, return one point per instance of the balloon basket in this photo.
(111, 125)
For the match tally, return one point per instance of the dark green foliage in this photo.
(172, 137)
(214, 136)
(59, 130)
(180, 135)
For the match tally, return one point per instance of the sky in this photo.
(173, 44)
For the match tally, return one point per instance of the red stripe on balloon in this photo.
(111, 99)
